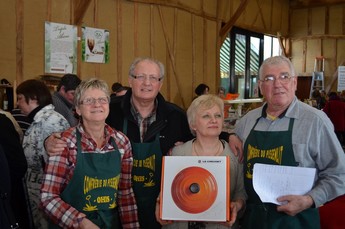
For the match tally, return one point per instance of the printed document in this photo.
(273, 181)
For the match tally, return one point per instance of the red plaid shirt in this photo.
(59, 172)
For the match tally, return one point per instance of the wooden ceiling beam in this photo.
(295, 4)
(80, 7)
(227, 27)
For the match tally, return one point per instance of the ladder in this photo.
(318, 79)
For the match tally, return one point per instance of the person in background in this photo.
(16, 161)
(205, 118)
(335, 110)
(324, 97)
(115, 87)
(95, 153)
(63, 98)
(120, 92)
(15, 124)
(201, 89)
(320, 101)
(23, 121)
(35, 101)
(306, 138)
(221, 92)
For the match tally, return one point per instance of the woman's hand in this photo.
(159, 220)
(235, 207)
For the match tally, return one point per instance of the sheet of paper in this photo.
(273, 181)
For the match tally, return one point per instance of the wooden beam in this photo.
(227, 27)
(318, 37)
(119, 51)
(296, 4)
(19, 40)
(172, 58)
(178, 5)
(80, 7)
(334, 78)
(280, 39)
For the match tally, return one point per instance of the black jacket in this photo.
(9, 140)
(171, 122)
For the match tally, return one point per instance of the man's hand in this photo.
(87, 224)
(54, 145)
(295, 204)
(236, 146)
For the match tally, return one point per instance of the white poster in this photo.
(60, 48)
(95, 45)
(341, 78)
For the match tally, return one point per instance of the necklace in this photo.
(219, 150)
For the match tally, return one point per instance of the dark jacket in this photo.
(335, 109)
(9, 140)
(171, 122)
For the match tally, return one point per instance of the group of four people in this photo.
(106, 171)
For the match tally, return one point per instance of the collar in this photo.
(67, 103)
(290, 112)
(136, 113)
(32, 114)
(162, 108)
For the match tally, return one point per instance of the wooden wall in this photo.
(318, 31)
(185, 35)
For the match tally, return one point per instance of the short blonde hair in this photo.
(90, 83)
(203, 102)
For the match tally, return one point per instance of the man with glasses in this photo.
(153, 126)
(306, 138)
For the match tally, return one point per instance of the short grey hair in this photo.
(149, 59)
(277, 60)
(93, 83)
(203, 102)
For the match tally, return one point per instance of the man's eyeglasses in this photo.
(89, 101)
(152, 79)
(282, 78)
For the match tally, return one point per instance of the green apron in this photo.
(94, 185)
(146, 179)
(269, 147)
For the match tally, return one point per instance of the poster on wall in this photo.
(95, 45)
(341, 78)
(60, 48)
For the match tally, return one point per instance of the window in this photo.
(240, 57)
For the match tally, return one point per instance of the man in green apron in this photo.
(285, 131)
(153, 126)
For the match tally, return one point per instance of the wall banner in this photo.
(60, 48)
(95, 45)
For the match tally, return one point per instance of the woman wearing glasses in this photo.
(87, 185)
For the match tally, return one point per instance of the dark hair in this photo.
(69, 81)
(199, 90)
(116, 87)
(35, 89)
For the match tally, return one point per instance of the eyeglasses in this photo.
(89, 101)
(282, 78)
(152, 79)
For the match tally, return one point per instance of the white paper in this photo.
(273, 181)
